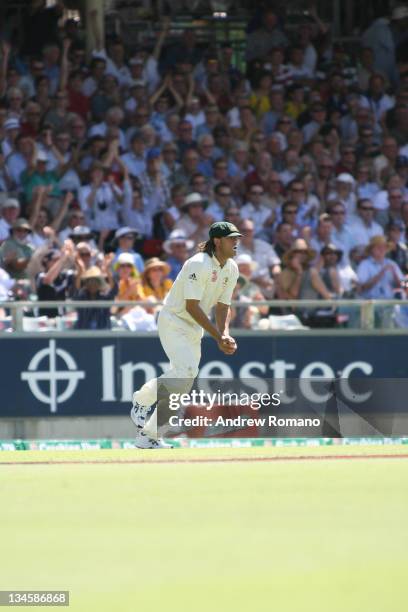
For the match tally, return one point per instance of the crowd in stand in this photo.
(112, 168)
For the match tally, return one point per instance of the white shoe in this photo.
(143, 441)
(138, 414)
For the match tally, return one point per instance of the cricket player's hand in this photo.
(227, 345)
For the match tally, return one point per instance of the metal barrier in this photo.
(367, 308)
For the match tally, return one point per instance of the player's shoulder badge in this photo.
(214, 276)
(192, 276)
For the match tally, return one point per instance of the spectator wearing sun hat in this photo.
(155, 281)
(15, 252)
(378, 275)
(94, 288)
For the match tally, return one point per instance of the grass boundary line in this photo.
(207, 460)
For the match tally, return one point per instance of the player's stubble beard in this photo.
(226, 249)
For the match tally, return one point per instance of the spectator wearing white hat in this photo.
(10, 211)
(125, 239)
(11, 128)
(194, 222)
(344, 192)
(261, 252)
(178, 249)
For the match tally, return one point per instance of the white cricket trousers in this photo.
(182, 344)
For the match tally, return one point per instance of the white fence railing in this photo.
(367, 308)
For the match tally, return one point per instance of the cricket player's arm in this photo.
(195, 311)
(223, 317)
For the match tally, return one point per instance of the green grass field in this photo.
(172, 531)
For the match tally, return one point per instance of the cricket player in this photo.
(207, 279)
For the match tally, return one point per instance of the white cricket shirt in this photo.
(201, 278)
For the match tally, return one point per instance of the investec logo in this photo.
(44, 374)
(35, 375)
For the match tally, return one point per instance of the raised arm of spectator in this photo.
(96, 32)
(160, 90)
(5, 56)
(61, 214)
(210, 97)
(161, 38)
(191, 88)
(56, 268)
(323, 28)
(179, 100)
(40, 194)
(64, 72)
(32, 161)
(112, 154)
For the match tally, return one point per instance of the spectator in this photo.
(328, 268)
(254, 209)
(178, 249)
(155, 281)
(16, 252)
(344, 192)
(363, 227)
(341, 235)
(222, 199)
(381, 37)
(10, 211)
(379, 277)
(262, 40)
(398, 249)
(56, 281)
(268, 263)
(100, 200)
(194, 222)
(94, 288)
(125, 239)
(129, 285)
(299, 279)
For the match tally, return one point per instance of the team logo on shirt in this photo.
(192, 276)
(214, 276)
(225, 281)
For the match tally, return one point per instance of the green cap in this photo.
(221, 229)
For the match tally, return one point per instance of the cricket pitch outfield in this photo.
(224, 529)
